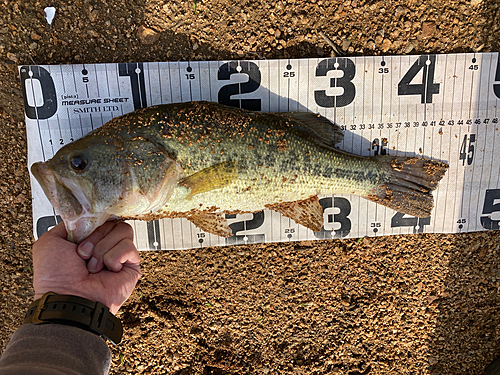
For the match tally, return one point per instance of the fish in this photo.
(203, 160)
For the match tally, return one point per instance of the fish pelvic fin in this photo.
(408, 188)
(211, 222)
(308, 212)
(211, 178)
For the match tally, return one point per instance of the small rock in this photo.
(386, 45)
(12, 56)
(408, 48)
(147, 36)
(33, 46)
(379, 39)
(371, 44)
(475, 2)
(345, 44)
(431, 299)
(428, 29)
(35, 36)
(195, 46)
(399, 10)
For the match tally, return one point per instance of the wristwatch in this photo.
(75, 311)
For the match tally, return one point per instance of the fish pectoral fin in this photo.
(211, 222)
(211, 178)
(322, 130)
(308, 212)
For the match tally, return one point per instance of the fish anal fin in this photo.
(210, 178)
(211, 222)
(308, 212)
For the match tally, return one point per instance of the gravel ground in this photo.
(416, 304)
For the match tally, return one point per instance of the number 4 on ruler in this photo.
(427, 88)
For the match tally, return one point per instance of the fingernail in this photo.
(86, 249)
(92, 265)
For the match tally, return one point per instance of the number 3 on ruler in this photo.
(349, 70)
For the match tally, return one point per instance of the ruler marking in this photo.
(86, 86)
(96, 80)
(445, 215)
(170, 82)
(486, 115)
(74, 77)
(456, 214)
(118, 80)
(107, 79)
(69, 124)
(468, 129)
(36, 113)
(159, 85)
(497, 103)
(180, 81)
(440, 154)
(472, 128)
(151, 102)
(308, 81)
(269, 86)
(209, 81)
(382, 89)
(289, 91)
(62, 80)
(452, 112)
(199, 79)
(190, 85)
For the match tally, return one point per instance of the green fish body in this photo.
(199, 160)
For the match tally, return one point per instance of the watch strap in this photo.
(75, 311)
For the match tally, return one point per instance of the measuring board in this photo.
(444, 107)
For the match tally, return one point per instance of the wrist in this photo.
(76, 311)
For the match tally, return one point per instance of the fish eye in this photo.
(78, 163)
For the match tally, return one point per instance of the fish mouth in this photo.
(69, 201)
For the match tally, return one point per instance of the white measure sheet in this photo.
(443, 107)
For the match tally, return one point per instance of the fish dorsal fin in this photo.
(321, 130)
(210, 178)
(211, 222)
(308, 212)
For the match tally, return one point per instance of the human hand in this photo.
(109, 276)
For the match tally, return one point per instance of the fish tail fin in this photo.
(409, 183)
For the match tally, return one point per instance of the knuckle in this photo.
(126, 229)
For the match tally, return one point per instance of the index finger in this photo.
(104, 238)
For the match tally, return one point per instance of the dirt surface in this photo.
(417, 304)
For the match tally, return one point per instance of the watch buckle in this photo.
(40, 307)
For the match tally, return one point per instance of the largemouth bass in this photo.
(201, 160)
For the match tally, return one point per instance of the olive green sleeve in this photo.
(54, 349)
